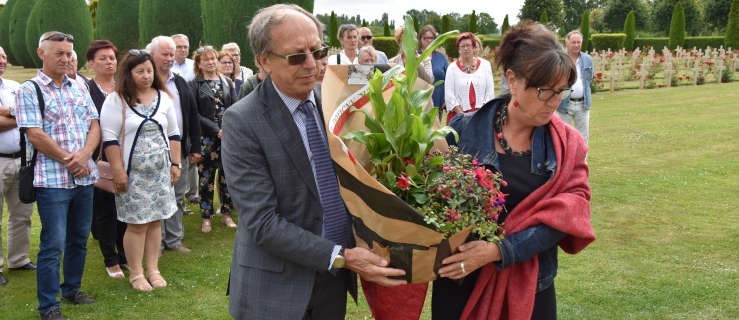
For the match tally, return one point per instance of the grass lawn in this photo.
(664, 166)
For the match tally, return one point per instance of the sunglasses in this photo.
(137, 52)
(58, 36)
(298, 58)
(365, 38)
(203, 48)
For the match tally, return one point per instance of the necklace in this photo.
(469, 68)
(499, 122)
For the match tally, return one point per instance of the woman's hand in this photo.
(220, 134)
(472, 256)
(174, 172)
(120, 181)
(457, 109)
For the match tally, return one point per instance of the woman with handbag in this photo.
(106, 229)
(214, 93)
(141, 119)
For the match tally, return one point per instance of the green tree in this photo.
(333, 30)
(72, 17)
(473, 23)
(446, 24)
(93, 7)
(716, 14)
(505, 26)
(614, 14)
(486, 24)
(662, 13)
(5, 19)
(732, 28)
(630, 31)
(532, 10)
(585, 30)
(386, 29)
(114, 23)
(544, 18)
(18, 25)
(159, 17)
(572, 13)
(677, 27)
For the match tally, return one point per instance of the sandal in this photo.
(139, 285)
(157, 282)
(115, 274)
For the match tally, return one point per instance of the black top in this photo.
(521, 182)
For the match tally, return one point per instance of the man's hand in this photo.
(76, 163)
(194, 158)
(372, 267)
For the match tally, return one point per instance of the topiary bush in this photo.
(630, 30)
(167, 17)
(585, 30)
(677, 27)
(5, 18)
(71, 16)
(117, 21)
(17, 27)
(386, 44)
(732, 28)
(605, 41)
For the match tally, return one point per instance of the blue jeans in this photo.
(66, 217)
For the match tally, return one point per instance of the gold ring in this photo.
(461, 266)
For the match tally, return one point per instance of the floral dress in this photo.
(211, 161)
(150, 194)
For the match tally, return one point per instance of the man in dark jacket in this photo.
(162, 49)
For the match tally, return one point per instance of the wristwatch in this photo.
(178, 165)
(339, 261)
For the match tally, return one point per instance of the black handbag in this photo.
(26, 190)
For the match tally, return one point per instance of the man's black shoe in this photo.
(55, 314)
(27, 266)
(79, 297)
(3, 281)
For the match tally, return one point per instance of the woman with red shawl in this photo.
(548, 203)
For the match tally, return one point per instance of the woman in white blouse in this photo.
(469, 79)
(141, 114)
(349, 54)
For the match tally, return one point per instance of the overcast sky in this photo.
(373, 9)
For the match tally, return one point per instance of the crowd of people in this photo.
(178, 126)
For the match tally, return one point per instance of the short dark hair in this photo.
(532, 52)
(124, 82)
(97, 45)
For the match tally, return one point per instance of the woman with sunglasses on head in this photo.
(547, 205)
(214, 93)
(469, 80)
(349, 54)
(439, 63)
(141, 139)
(101, 58)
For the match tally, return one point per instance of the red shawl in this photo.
(563, 203)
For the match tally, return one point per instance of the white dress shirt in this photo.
(9, 139)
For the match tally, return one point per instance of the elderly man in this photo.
(19, 213)
(294, 256)
(182, 65)
(162, 49)
(365, 39)
(65, 136)
(575, 110)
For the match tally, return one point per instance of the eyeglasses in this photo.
(58, 36)
(428, 38)
(203, 48)
(365, 38)
(298, 58)
(137, 52)
(544, 94)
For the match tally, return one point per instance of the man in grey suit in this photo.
(294, 256)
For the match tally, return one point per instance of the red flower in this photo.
(404, 182)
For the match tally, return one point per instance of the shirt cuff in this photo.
(334, 253)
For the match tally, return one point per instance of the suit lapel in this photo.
(282, 124)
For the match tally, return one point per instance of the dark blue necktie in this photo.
(336, 221)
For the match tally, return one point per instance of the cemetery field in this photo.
(663, 170)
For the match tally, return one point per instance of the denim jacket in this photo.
(476, 138)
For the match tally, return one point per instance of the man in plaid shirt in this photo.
(65, 136)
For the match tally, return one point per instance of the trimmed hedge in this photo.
(5, 15)
(117, 22)
(704, 42)
(386, 44)
(605, 41)
(167, 17)
(18, 23)
(71, 16)
(659, 42)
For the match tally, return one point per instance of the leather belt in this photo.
(577, 99)
(10, 155)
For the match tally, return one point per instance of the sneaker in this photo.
(79, 297)
(54, 314)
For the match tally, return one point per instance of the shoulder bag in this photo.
(26, 190)
(105, 171)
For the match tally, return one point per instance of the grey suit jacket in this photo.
(278, 246)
